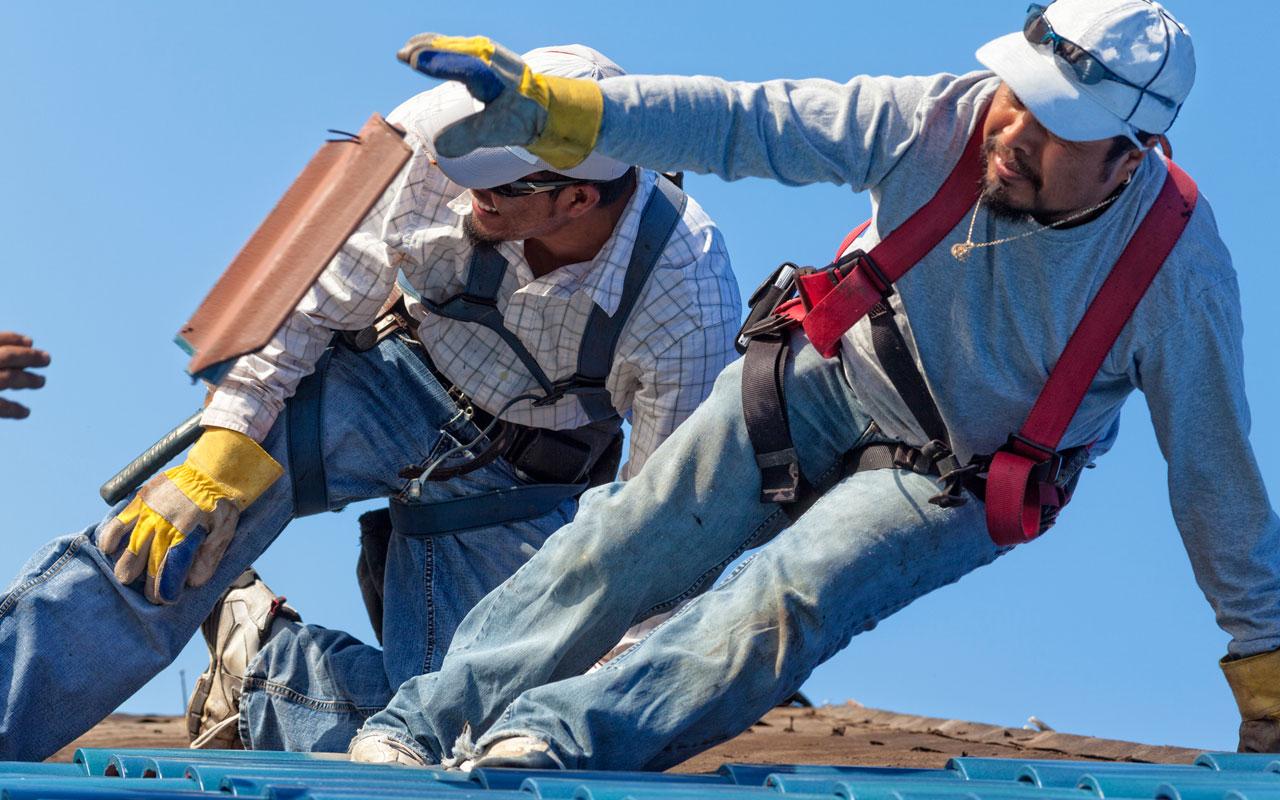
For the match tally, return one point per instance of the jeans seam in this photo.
(428, 580)
(53, 569)
(284, 692)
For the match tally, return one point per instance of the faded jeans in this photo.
(867, 548)
(70, 634)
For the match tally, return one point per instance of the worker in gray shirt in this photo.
(1061, 132)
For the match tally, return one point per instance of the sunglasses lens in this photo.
(1036, 30)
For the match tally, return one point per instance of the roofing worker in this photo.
(16, 357)
(1041, 171)
(573, 261)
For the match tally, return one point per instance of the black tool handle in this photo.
(156, 456)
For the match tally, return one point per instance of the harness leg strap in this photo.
(764, 407)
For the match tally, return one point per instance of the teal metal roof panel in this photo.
(160, 774)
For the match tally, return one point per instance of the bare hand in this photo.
(16, 357)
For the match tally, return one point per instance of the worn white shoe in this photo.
(377, 748)
(520, 752)
(235, 631)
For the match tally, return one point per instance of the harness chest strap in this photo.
(1013, 498)
(837, 299)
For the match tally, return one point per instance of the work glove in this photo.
(1255, 681)
(181, 522)
(555, 118)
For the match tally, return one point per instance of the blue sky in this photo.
(144, 142)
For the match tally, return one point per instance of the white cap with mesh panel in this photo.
(1137, 40)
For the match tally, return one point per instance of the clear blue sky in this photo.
(144, 142)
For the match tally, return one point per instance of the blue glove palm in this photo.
(557, 119)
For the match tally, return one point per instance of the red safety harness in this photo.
(1027, 480)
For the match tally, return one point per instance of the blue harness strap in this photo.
(306, 458)
(595, 354)
(497, 507)
(478, 303)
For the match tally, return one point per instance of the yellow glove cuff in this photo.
(575, 109)
(1255, 681)
(225, 464)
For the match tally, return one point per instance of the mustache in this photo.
(991, 147)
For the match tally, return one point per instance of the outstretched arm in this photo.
(796, 132)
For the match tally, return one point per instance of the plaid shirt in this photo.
(678, 338)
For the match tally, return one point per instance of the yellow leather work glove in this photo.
(181, 522)
(555, 118)
(1255, 681)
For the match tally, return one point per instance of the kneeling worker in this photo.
(556, 302)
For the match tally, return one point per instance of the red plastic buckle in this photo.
(839, 297)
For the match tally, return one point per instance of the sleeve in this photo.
(792, 131)
(1192, 378)
(680, 374)
(346, 296)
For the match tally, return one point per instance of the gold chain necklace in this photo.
(960, 250)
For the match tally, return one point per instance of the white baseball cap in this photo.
(1068, 78)
(493, 166)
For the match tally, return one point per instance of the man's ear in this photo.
(579, 199)
(1132, 159)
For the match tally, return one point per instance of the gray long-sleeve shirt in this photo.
(986, 332)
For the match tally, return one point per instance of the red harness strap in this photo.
(1022, 497)
(1014, 498)
(838, 298)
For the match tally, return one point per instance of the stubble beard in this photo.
(995, 195)
(475, 235)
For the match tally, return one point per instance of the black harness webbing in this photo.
(595, 360)
(891, 351)
(765, 408)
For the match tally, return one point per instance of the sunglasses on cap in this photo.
(525, 188)
(1088, 69)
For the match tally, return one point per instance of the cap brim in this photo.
(1042, 84)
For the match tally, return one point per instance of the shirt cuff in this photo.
(237, 412)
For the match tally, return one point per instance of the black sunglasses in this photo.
(1085, 65)
(526, 188)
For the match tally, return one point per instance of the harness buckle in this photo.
(574, 384)
(850, 261)
(772, 292)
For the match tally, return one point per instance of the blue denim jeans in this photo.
(867, 548)
(71, 634)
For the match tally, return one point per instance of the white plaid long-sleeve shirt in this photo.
(678, 338)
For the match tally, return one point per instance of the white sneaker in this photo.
(519, 752)
(235, 631)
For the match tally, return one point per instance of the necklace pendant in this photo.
(960, 251)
